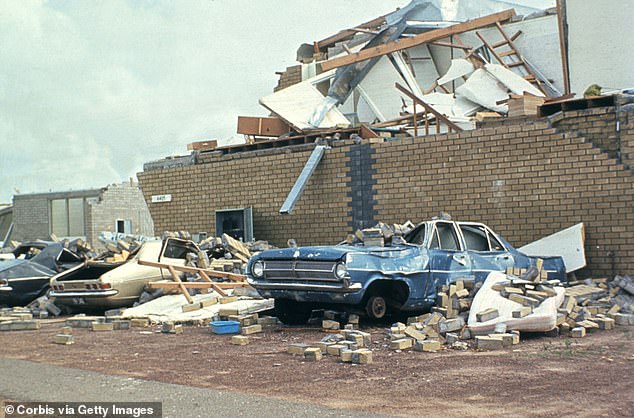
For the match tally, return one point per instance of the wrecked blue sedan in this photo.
(402, 277)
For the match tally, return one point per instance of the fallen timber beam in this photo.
(431, 36)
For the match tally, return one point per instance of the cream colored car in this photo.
(100, 284)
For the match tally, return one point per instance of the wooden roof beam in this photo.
(431, 36)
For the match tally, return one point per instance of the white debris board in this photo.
(567, 243)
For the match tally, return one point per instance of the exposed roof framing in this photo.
(431, 36)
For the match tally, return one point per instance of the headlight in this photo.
(4, 282)
(341, 270)
(257, 269)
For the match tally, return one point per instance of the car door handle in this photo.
(503, 257)
(460, 259)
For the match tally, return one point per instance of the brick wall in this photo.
(525, 180)
(597, 125)
(119, 201)
(261, 180)
(292, 75)
(30, 218)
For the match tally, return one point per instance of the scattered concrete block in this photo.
(312, 354)
(488, 343)
(139, 323)
(102, 326)
(462, 293)
(578, 332)
(335, 349)
(323, 345)
(297, 349)
(451, 338)
(190, 307)
(227, 312)
(346, 356)
(500, 328)
(398, 328)
(402, 344)
(178, 329)
(487, 315)
(412, 332)
(623, 319)
(208, 302)
(227, 299)
(362, 356)
(82, 321)
(450, 325)
(427, 345)
(63, 339)
(525, 300)
(252, 329)
(353, 319)
(328, 324)
(20, 325)
(66, 330)
(268, 321)
(564, 329)
(522, 312)
(605, 323)
(507, 339)
(239, 340)
(120, 324)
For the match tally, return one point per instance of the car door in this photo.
(486, 251)
(447, 258)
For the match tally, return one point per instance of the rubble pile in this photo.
(229, 254)
(118, 247)
(380, 235)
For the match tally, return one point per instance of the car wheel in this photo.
(291, 312)
(376, 307)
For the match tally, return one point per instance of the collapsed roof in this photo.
(430, 63)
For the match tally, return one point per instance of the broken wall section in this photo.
(119, 205)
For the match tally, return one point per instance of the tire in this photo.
(376, 307)
(291, 312)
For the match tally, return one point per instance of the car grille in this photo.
(322, 271)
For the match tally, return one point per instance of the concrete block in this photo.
(66, 330)
(398, 328)
(335, 349)
(178, 329)
(578, 332)
(524, 300)
(227, 299)
(297, 349)
(605, 323)
(463, 293)
(227, 312)
(451, 338)
(239, 340)
(190, 307)
(488, 343)
(522, 312)
(487, 315)
(623, 319)
(63, 339)
(328, 324)
(362, 356)
(102, 326)
(252, 329)
(346, 356)
(268, 321)
(120, 324)
(353, 319)
(413, 333)
(208, 302)
(507, 339)
(402, 344)
(139, 323)
(450, 325)
(84, 321)
(20, 326)
(323, 345)
(312, 354)
(427, 345)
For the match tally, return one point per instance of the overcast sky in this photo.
(90, 90)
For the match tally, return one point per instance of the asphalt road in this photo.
(28, 381)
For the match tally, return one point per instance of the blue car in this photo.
(401, 277)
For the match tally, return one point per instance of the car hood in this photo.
(331, 252)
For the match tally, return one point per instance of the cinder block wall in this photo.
(30, 218)
(525, 180)
(118, 201)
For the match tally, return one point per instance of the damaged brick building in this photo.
(526, 175)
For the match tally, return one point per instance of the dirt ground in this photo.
(542, 376)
